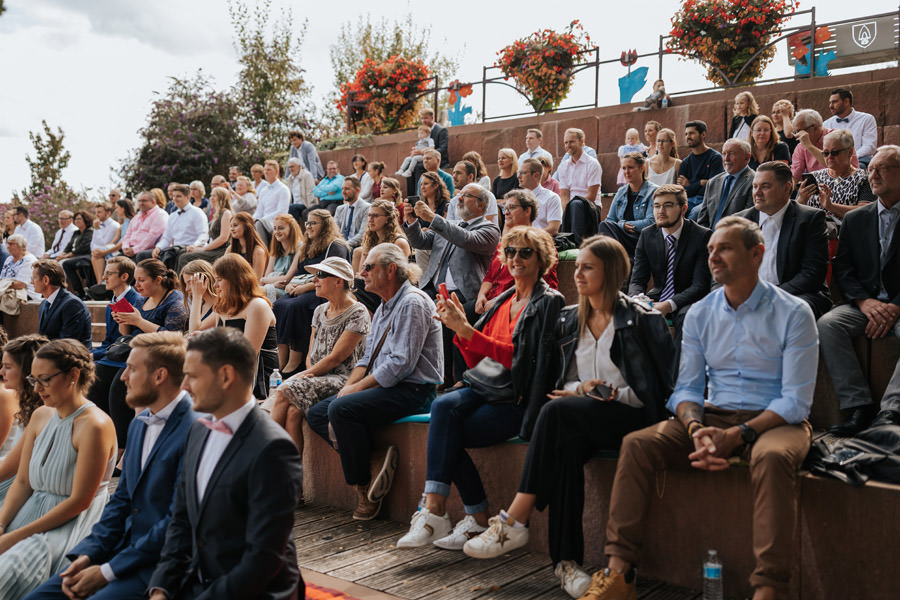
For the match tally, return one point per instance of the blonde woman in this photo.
(662, 168)
(508, 163)
(219, 231)
(783, 117)
(208, 296)
(243, 198)
(745, 110)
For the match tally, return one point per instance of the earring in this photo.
(73, 383)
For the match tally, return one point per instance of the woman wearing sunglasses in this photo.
(618, 369)
(68, 456)
(840, 187)
(17, 404)
(337, 342)
(241, 303)
(513, 363)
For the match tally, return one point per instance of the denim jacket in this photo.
(643, 206)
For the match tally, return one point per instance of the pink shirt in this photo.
(804, 162)
(145, 228)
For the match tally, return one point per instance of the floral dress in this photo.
(303, 392)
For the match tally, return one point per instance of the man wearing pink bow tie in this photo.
(230, 535)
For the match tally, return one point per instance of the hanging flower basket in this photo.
(542, 64)
(382, 96)
(724, 35)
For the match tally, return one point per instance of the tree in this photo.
(270, 90)
(379, 41)
(50, 158)
(192, 133)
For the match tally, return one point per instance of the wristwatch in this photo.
(748, 434)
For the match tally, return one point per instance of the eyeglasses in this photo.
(509, 207)
(468, 195)
(524, 253)
(43, 381)
(880, 171)
(108, 274)
(323, 275)
(664, 206)
(827, 153)
(311, 223)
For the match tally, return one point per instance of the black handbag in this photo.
(491, 380)
(119, 350)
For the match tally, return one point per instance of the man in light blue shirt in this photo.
(759, 347)
(328, 190)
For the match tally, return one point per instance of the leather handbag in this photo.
(119, 350)
(492, 380)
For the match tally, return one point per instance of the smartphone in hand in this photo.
(442, 290)
(809, 179)
(600, 392)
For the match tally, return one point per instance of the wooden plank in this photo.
(312, 548)
(315, 513)
(419, 563)
(439, 579)
(322, 523)
(338, 560)
(538, 584)
(487, 583)
(381, 562)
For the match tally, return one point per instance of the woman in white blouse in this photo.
(618, 370)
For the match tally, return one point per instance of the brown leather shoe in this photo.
(610, 585)
(366, 510)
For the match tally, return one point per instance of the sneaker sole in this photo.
(509, 547)
(381, 485)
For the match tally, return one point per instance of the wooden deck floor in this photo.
(329, 541)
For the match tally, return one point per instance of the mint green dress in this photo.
(51, 471)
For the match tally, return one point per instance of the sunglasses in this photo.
(368, 267)
(524, 253)
(323, 275)
(827, 153)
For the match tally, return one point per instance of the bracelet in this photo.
(693, 426)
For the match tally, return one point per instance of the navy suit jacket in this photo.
(239, 535)
(131, 532)
(67, 317)
(441, 138)
(112, 328)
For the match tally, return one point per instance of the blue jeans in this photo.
(694, 203)
(132, 587)
(462, 419)
(355, 417)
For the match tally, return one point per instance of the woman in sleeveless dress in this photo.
(18, 402)
(68, 455)
(219, 232)
(663, 166)
(337, 342)
(240, 303)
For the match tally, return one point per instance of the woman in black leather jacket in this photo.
(512, 352)
(618, 371)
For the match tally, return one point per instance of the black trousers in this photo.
(454, 365)
(628, 240)
(568, 432)
(108, 392)
(78, 269)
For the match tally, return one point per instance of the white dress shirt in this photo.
(272, 200)
(579, 175)
(549, 207)
(104, 236)
(216, 444)
(61, 240)
(593, 361)
(185, 227)
(771, 228)
(864, 129)
(34, 237)
(535, 154)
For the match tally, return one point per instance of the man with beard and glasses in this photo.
(116, 560)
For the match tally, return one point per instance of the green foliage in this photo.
(50, 158)
(193, 132)
(270, 91)
(2, 8)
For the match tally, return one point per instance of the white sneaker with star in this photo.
(573, 578)
(498, 539)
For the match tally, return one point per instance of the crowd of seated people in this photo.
(375, 306)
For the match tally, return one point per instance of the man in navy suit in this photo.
(230, 534)
(116, 560)
(672, 251)
(62, 314)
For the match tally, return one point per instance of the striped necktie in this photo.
(669, 289)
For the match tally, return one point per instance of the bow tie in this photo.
(181, 212)
(151, 419)
(840, 120)
(219, 426)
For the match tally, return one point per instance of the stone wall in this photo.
(605, 127)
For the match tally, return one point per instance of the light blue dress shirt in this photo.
(761, 356)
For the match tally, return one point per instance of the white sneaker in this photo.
(572, 578)
(424, 528)
(498, 539)
(464, 531)
(399, 173)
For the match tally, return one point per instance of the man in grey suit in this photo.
(731, 191)
(460, 252)
(352, 216)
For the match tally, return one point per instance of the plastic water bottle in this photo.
(712, 577)
(274, 380)
(665, 102)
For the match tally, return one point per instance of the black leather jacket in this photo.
(536, 358)
(642, 349)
